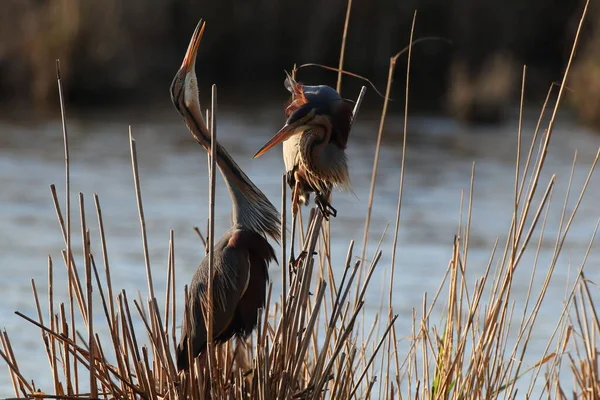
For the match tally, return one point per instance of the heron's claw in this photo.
(295, 262)
(325, 207)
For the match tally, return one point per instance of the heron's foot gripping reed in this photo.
(325, 207)
(294, 262)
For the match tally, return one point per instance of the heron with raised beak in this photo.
(242, 255)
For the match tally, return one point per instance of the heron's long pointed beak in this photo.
(189, 61)
(279, 137)
(283, 134)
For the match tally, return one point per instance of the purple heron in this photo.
(242, 255)
(314, 139)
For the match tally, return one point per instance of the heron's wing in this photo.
(231, 269)
(342, 117)
(260, 255)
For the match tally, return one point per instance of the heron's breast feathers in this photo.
(326, 166)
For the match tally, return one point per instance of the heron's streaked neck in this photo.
(321, 130)
(313, 139)
(251, 208)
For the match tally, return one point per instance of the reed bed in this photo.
(467, 341)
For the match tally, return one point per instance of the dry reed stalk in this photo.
(212, 374)
(343, 47)
(388, 90)
(584, 359)
(487, 359)
(138, 196)
(402, 163)
(398, 210)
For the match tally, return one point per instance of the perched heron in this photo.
(314, 142)
(242, 255)
(314, 139)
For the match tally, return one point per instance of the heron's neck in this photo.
(312, 142)
(251, 208)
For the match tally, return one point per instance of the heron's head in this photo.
(311, 105)
(184, 88)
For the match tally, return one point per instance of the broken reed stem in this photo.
(359, 100)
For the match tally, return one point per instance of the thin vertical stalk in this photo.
(105, 256)
(63, 116)
(88, 280)
(211, 234)
(402, 165)
(343, 47)
(284, 265)
(388, 90)
(52, 323)
(138, 195)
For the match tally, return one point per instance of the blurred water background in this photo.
(119, 75)
(440, 154)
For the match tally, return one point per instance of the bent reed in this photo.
(311, 341)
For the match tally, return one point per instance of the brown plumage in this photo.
(242, 255)
(241, 293)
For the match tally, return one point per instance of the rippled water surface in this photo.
(173, 170)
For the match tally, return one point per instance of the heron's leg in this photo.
(294, 261)
(295, 207)
(324, 206)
